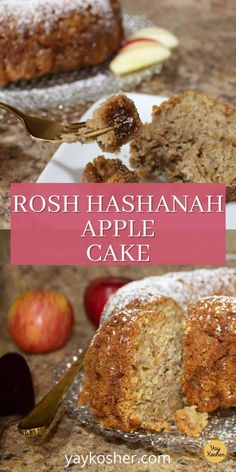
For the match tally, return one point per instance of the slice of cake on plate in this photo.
(192, 138)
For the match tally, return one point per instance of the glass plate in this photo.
(221, 425)
(84, 85)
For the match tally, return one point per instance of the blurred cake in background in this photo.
(39, 37)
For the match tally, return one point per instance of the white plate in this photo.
(69, 160)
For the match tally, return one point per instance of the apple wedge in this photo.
(135, 42)
(138, 55)
(161, 35)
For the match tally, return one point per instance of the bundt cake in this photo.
(209, 354)
(133, 370)
(191, 139)
(119, 112)
(38, 37)
(104, 170)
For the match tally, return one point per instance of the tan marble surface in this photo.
(205, 62)
(18, 454)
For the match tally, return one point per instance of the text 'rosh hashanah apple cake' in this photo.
(134, 375)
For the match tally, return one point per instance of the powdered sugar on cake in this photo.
(25, 13)
(214, 311)
(220, 303)
(183, 287)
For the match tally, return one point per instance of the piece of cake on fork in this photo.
(118, 112)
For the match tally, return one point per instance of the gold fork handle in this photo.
(18, 113)
(39, 419)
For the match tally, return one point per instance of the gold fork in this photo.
(37, 422)
(42, 129)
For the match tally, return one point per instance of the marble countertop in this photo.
(205, 61)
(18, 453)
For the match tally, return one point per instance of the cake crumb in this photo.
(189, 421)
(103, 170)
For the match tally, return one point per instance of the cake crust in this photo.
(106, 378)
(209, 355)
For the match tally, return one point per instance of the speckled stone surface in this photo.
(205, 62)
(18, 453)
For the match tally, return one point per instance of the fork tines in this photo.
(74, 128)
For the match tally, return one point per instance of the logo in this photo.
(215, 451)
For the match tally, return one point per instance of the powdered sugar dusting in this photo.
(215, 314)
(183, 287)
(23, 13)
(219, 303)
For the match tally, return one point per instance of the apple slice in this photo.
(138, 55)
(161, 35)
(135, 42)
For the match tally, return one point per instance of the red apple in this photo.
(40, 321)
(97, 294)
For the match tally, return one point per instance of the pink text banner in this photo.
(139, 224)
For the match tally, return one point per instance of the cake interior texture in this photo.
(104, 170)
(191, 139)
(119, 112)
(132, 376)
(209, 355)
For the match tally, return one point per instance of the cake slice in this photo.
(209, 356)
(192, 138)
(119, 112)
(103, 170)
(132, 369)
